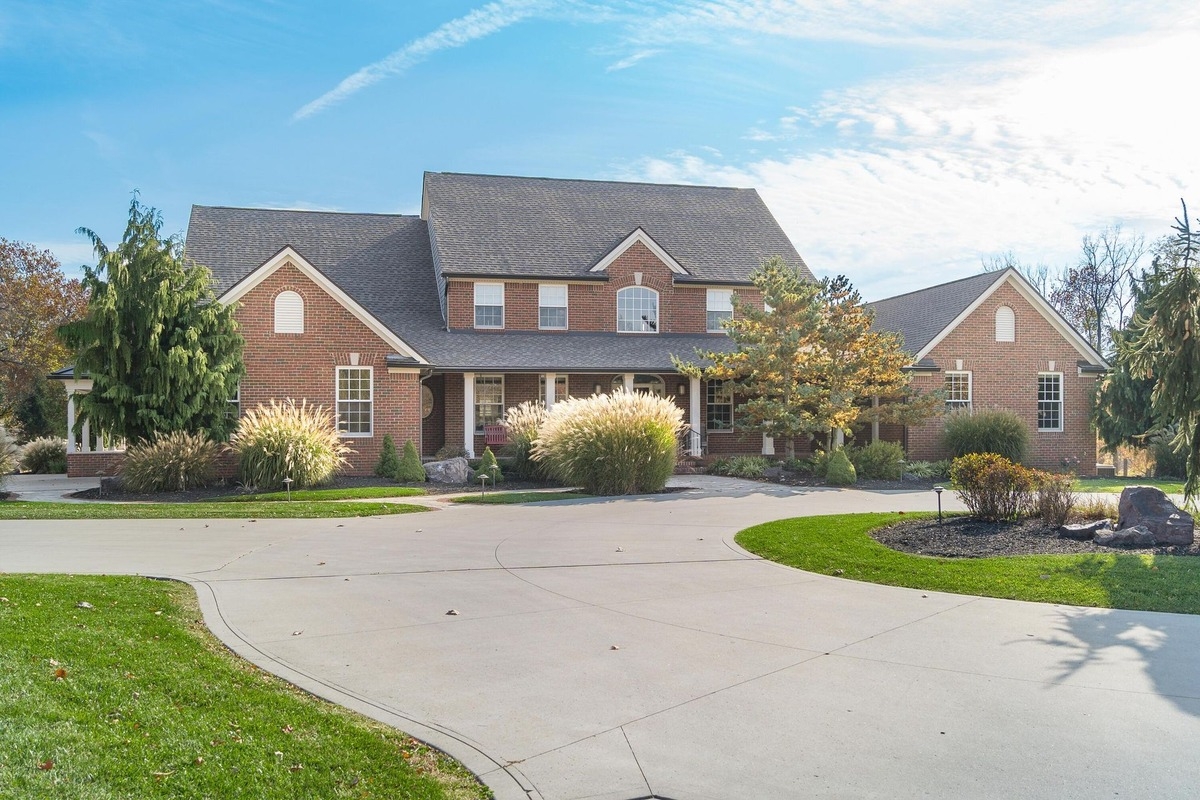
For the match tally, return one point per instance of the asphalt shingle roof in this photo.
(921, 315)
(533, 227)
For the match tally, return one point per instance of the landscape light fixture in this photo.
(938, 490)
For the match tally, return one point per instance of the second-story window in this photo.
(489, 305)
(637, 310)
(552, 306)
(720, 309)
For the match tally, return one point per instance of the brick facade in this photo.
(1005, 375)
(302, 366)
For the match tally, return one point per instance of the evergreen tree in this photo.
(410, 468)
(1124, 411)
(811, 364)
(162, 354)
(488, 465)
(389, 460)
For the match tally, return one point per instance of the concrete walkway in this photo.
(627, 648)
(52, 488)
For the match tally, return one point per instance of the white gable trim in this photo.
(639, 235)
(289, 256)
(1035, 299)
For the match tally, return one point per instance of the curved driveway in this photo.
(628, 648)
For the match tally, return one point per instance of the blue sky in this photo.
(897, 141)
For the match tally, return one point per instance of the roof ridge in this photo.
(940, 285)
(311, 211)
(596, 180)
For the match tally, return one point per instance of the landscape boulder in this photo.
(452, 470)
(1137, 536)
(1149, 507)
(1084, 530)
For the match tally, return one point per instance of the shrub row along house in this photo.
(508, 289)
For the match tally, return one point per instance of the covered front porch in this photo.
(90, 451)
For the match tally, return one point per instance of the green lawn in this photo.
(829, 544)
(356, 493)
(134, 698)
(1117, 484)
(509, 498)
(22, 509)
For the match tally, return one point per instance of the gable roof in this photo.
(555, 228)
(926, 316)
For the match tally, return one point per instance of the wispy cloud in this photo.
(630, 60)
(479, 23)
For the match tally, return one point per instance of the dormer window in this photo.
(489, 305)
(289, 313)
(637, 310)
(720, 309)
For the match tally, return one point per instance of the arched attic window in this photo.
(1006, 325)
(289, 313)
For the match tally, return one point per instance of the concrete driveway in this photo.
(629, 649)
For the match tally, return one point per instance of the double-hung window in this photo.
(552, 306)
(489, 305)
(489, 400)
(637, 310)
(719, 408)
(720, 308)
(958, 391)
(1050, 402)
(354, 401)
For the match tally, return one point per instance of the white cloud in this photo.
(630, 60)
(925, 174)
(477, 24)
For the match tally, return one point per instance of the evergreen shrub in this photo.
(839, 471)
(488, 466)
(410, 469)
(878, 461)
(389, 459)
(1000, 432)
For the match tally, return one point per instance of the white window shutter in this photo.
(289, 313)
(1006, 325)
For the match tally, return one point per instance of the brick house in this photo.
(502, 290)
(992, 341)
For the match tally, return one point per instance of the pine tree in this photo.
(488, 465)
(389, 460)
(162, 354)
(410, 468)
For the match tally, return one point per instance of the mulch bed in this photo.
(967, 537)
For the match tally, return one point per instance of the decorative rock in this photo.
(1137, 536)
(452, 470)
(1084, 530)
(1149, 507)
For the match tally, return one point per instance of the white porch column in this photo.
(550, 378)
(70, 422)
(768, 445)
(694, 415)
(839, 438)
(875, 422)
(87, 435)
(469, 413)
(628, 381)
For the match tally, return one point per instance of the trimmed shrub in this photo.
(992, 487)
(999, 432)
(10, 455)
(522, 423)
(621, 443)
(818, 465)
(285, 440)
(740, 467)
(171, 462)
(882, 461)
(839, 471)
(389, 459)
(928, 470)
(46, 455)
(488, 465)
(409, 469)
(1055, 498)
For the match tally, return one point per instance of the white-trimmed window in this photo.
(637, 310)
(561, 389)
(489, 305)
(1006, 325)
(355, 407)
(719, 406)
(719, 305)
(289, 313)
(489, 400)
(958, 391)
(1050, 402)
(234, 410)
(552, 306)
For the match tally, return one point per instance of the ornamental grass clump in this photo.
(622, 443)
(522, 424)
(999, 432)
(171, 462)
(993, 488)
(46, 455)
(285, 440)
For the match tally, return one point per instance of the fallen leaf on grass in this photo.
(287, 729)
(296, 767)
(46, 765)
(84, 604)
(59, 674)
